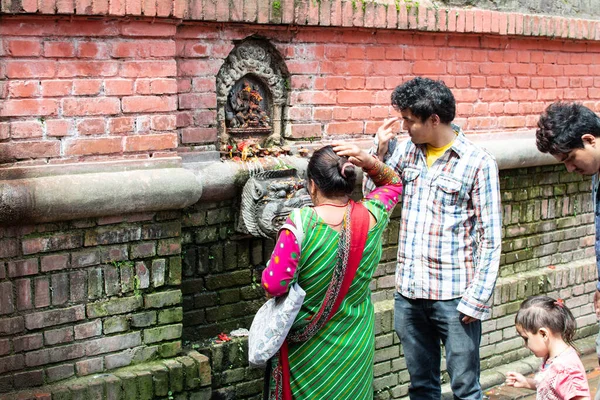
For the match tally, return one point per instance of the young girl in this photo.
(548, 328)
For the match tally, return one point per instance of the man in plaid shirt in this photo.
(449, 245)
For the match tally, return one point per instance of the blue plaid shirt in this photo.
(450, 233)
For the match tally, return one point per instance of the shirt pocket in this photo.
(409, 181)
(447, 190)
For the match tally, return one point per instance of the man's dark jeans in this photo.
(421, 326)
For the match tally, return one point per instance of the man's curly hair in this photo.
(425, 97)
(562, 125)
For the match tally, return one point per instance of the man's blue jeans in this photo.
(422, 325)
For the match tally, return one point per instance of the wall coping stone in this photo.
(377, 14)
(60, 193)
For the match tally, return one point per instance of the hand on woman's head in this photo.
(355, 154)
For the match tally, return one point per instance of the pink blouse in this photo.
(562, 378)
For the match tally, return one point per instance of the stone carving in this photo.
(245, 110)
(257, 62)
(267, 200)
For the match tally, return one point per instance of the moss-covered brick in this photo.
(190, 370)
(143, 319)
(162, 299)
(204, 370)
(128, 384)
(160, 377)
(171, 349)
(167, 247)
(114, 306)
(116, 324)
(162, 333)
(162, 230)
(205, 299)
(253, 292)
(111, 280)
(95, 389)
(203, 394)
(142, 276)
(230, 256)
(193, 218)
(112, 234)
(176, 375)
(145, 353)
(174, 271)
(61, 393)
(170, 316)
(206, 235)
(245, 389)
(127, 280)
(190, 261)
(78, 391)
(227, 296)
(231, 279)
(144, 384)
(112, 388)
(256, 251)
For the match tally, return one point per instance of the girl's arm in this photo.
(519, 381)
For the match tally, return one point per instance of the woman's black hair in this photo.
(545, 312)
(333, 175)
(562, 125)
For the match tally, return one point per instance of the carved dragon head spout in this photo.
(267, 200)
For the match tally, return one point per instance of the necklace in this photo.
(332, 204)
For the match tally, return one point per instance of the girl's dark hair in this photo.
(325, 169)
(425, 97)
(545, 312)
(562, 125)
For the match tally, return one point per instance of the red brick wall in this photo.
(80, 89)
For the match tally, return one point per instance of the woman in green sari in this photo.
(329, 351)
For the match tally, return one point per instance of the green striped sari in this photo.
(336, 363)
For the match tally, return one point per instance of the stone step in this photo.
(187, 377)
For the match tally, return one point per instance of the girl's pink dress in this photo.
(562, 378)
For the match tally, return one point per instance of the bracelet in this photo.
(375, 165)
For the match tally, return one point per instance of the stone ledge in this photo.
(184, 377)
(379, 14)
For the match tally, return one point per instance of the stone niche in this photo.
(251, 95)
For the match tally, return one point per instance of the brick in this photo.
(142, 278)
(77, 281)
(163, 299)
(136, 104)
(169, 247)
(118, 87)
(55, 242)
(41, 292)
(143, 250)
(86, 87)
(111, 280)
(87, 68)
(54, 317)
(143, 319)
(58, 336)
(105, 145)
(198, 135)
(151, 142)
(59, 49)
(121, 125)
(113, 254)
(23, 48)
(56, 88)
(23, 88)
(158, 271)
(30, 69)
(9, 248)
(24, 295)
(54, 262)
(114, 306)
(22, 267)
(162, 333)
(28, 108)
(94, 50)
(26, 129)
(88, 329)
(59, 372)
(85, 258)
(152, 69)
(11, 363)
(113, 343)
(28, 379)
(60, 289)
(11, 326)
(90, 106)
(110, 235)
(115, 324)
(28, 342)
(6, 298)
